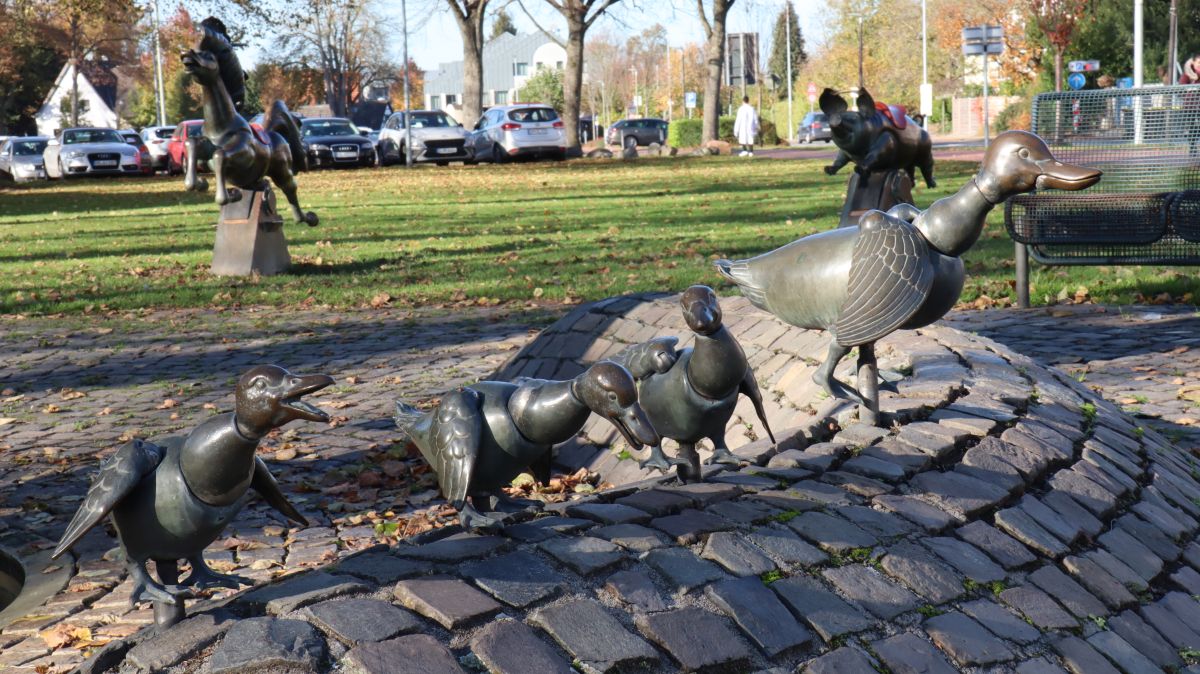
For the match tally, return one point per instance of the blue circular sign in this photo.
(1076, 80)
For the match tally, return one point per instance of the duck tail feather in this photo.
(739, 272)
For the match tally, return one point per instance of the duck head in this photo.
(608, 390)
(269, 396)
(701, 310)
(1019, 161)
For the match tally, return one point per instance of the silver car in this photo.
(21, 158)
(157, 138)
(436, 137)
(90, 151)
(524, 130)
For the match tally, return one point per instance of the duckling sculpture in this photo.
(899, 269)
(171, 499)
(480, 437)
(690, 395)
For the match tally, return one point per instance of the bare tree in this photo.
(714, 57)
(470, 14)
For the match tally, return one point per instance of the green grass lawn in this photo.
(483, 235)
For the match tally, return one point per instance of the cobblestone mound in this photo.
(1009, 520)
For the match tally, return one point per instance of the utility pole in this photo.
(1173, 48)
(159, 90)
(1138, 42)
(787, 22)
(926, 88)
(408, 161)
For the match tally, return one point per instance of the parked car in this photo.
(436, 137)
(334, 141)
(177, 145)
(21, 158)
(90, 151)
(634, 132)
(157, 139)
(814, 127)
(523, 130)
(135, 140)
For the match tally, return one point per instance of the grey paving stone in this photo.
(1067, 532)
(1187, 579)
(879, 523)
(737, 554)
(823, 610)
(655, 502)
(1132, 553)
(1005, 549)
(747, 481)
(584, 555)
(1039, 666)
(511, 647)
(926, 576)
(1070, 594)
(760, 614)
(1041, 610)
(1080, 658)
(295, 593)
(1070, 510)
(633, 537)
(412, 654)
(911, 459)
(704, 494)
(1170, 626)
(817, 457)
(448, 601)
(181, 641)
(786, 548)
(1000, 622)
(743, 511)
(690, 525)
(587, 631)
(871, 590)
(1099, 582)
(1089, 494)
(992, 470)
(635, 589)
(1040, 440)
(355, 621)
(456, 548)
(784, 501)
(937, 441)
(1182, 606)
(1117, 569)
(962, 421)
(832, 534)
(992, 453)
(907, 653)
(609, 513)
(268, 644)
(1119, 651)
(696, 639)
(924, 515)
(962, 496)
(517, 578)
(382, 568)
(1175, 525)
(856, 484)
(1145, 639)
(861, 435)
(1149, 536)
(845, 660)
(874, 468)
(1021, 526)
(683, 570)
(968, 559)
(966, 641)
(823, 494)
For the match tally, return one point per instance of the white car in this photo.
(90, 151)
(21, 158)
(524, 130)
(157, 138)
(436, 137)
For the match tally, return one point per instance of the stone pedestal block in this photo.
(250, 237)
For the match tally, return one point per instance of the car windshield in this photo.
(433, 120)
(533, 115)
(164, 132)
(77, 136)
(195, 130)
(132, 138)
(25, 148)
(328, 127)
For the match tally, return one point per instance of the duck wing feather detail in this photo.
(890, 278)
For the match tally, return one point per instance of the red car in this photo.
(193, 128)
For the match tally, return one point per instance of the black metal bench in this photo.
(1146, 209)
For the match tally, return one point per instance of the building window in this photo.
(521, 69)
(500, 98)
(435, 102)
(451, 99)
(558, 64)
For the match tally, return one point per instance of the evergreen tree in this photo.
(546, 86)
(779, 49)
(182, 102)
(501, 23)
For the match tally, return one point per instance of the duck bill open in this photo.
(636, 428)
(300, 387)
(1060, 176)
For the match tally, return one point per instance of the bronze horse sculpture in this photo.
(230, 147)
(900, 269)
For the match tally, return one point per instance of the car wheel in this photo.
(499, 156)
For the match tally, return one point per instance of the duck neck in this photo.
(217, 460)
(548, 412)
(717, 365)
(953, 224)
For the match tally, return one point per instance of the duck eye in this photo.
(1024, 153)
(612, 396)
(259, 383)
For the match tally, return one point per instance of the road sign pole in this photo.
(787, 21)
(986, 130)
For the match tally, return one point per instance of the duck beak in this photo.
(302, 386)
(1060, 176)
(636, 428)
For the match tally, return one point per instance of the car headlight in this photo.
(318, 147)
(418, 143)
(73, 154)
(24, 168)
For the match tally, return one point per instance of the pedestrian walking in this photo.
(745, 127)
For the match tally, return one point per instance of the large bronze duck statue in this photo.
(690, 394)
(480, 437)
(899, 269)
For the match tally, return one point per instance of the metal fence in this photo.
(1146, 209)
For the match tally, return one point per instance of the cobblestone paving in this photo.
(73, 390)
(1009, 520)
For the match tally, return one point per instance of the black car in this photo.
(633, 132)
(334, 141)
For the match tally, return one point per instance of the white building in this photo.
(98, 99)
(508, 61)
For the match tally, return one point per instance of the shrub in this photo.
(685, 132)
(1017, 115)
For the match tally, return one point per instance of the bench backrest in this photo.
(1146, 140)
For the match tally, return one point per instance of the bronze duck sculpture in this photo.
(171, 499)
(896, 270)
(690, 395)
(480, 437)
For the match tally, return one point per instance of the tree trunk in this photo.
(714, 56)
(472, 81)
(573, 81)
(1058, 59)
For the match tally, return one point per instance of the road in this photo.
(953, 150)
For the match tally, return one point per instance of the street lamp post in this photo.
(787, 21)
(860, 53)
(408, 162)
(160, 98)
(635, 90)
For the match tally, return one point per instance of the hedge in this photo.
(687, 132)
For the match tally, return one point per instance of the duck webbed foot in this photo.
(146, 589)
(503, 503)
(202, 577)
(659, 460)
(824, 378)
(723, 456)
(475, 521)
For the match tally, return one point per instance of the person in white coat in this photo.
(745, 127)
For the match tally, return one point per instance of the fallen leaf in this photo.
(167, 404)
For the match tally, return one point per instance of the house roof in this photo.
(499, 55)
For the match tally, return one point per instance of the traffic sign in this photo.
(812, 92)
(1083, 66)
(1076, 80)
(1125, 83)
(689, 99)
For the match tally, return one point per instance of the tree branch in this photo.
(521, 4)
(704, 19)
(600, 12)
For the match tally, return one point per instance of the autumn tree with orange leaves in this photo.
(1057, 19)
